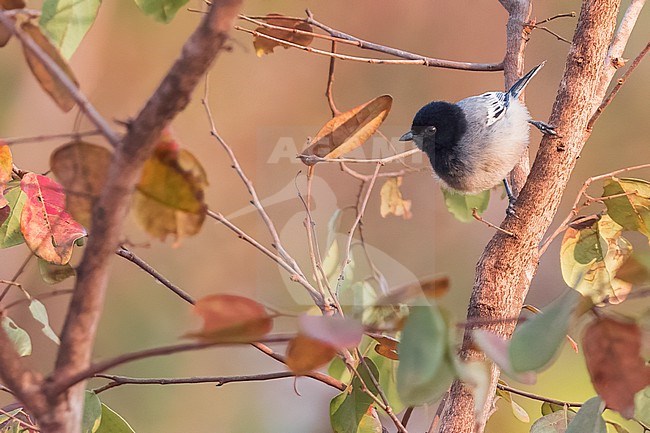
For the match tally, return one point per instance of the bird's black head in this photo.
(438, 124)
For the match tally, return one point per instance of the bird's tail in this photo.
(519, 86)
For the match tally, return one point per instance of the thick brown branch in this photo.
(508, 263)
(85, 309)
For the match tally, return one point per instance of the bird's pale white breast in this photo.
(493, 146)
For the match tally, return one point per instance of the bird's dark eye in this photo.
(430, 129)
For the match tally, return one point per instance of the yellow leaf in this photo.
(392, 201)
(348, 130)
(169, 199)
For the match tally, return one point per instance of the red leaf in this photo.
(231, 318)
(613, 353)
(49, 231)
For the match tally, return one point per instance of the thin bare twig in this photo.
(38, 138)
(130, 256)
(576, 204)
(356, 223)
(217, 380)
(63, 384)
(321, 377)
(40, 297)
(411, 57)
(621, 81)
(554, 17)
(316, 296)
(382, 395)
(479, 218)
(20, 421)
(18, 273)
(330, 84)
(312, 159)
(536, 397)
(277, 243)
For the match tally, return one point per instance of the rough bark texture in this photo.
(508, 263)
(60, 412)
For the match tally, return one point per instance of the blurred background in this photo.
(265, 108)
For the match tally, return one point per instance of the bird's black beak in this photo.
(407, 137)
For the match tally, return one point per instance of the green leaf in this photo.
(555, 422)
(161, 10)
(352, 411)
(425, 371)
(20, 339)
(642, 405)
(548, 408)
(39, 313)
(536, 341)
(92, 414)
(67, 21)
(589, 418)
(10, 234)
(112, 422)
(461, 205)
(632, 211)
(53, 274)
(619, 428)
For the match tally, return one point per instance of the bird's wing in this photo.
(497, 104)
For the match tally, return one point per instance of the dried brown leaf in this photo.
(305, 354)
(265, 46)
(392, 201)
(82, 169)
(612, 351)
(50, 83)
(348, 130)
(231, 318)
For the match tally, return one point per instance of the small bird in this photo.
(474, 143)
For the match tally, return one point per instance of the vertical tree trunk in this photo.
(509, 263)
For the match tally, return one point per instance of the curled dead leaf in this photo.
(348, 130)
(266, 46)
(387, 347)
